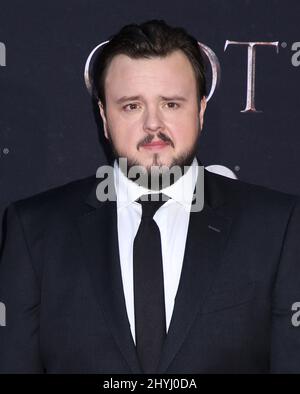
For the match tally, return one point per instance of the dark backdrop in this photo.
(48, 134)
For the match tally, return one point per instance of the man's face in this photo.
(152, 116)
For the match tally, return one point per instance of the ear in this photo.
(103, 116)
(202, 110)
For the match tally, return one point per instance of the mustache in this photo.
(149, 138)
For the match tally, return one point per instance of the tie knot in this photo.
(151, 203)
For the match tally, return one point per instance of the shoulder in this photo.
(67, 200)
(248, 196)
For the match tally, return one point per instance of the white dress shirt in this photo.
(172, 219)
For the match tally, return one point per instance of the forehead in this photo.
(126, 75)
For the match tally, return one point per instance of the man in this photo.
(225, 278)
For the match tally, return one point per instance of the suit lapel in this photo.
(100, 239)
(206, 239)
(207, 236)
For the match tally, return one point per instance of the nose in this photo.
(152, 120)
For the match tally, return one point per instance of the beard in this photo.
(155, 176)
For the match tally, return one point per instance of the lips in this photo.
(156, 144)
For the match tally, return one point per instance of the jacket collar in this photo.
(213, 195)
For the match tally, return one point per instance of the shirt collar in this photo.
(180, 191)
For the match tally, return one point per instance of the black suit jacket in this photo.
(60, 280)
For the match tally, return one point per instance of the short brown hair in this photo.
(149, 39)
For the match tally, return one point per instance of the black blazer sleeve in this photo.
(285, 337)
(19, 291)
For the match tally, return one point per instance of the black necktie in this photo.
(149, 301)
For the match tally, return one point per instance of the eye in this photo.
(130, 107)
(172, 105)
